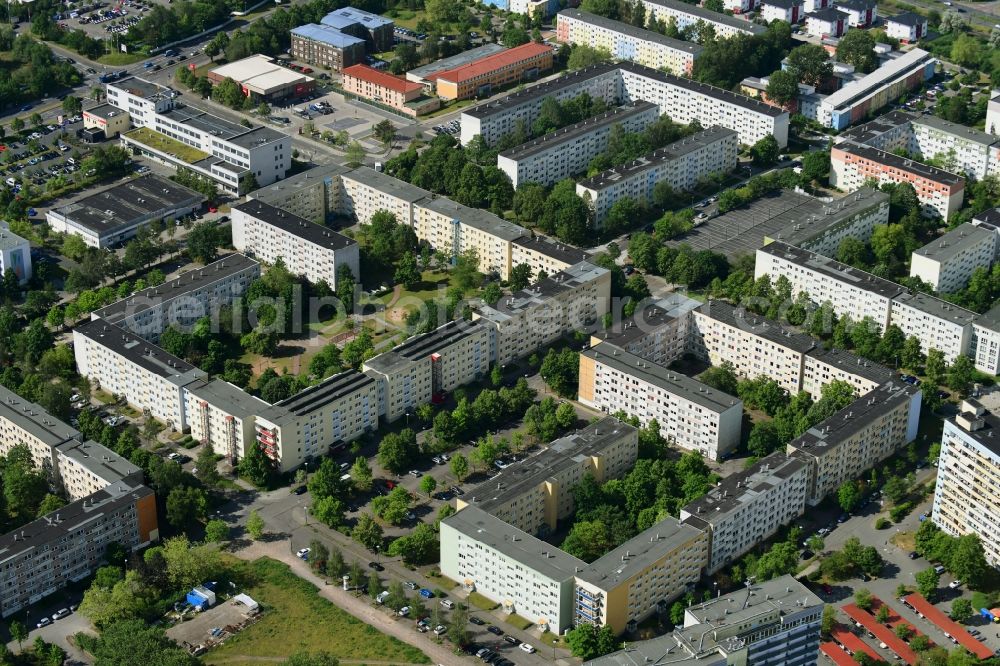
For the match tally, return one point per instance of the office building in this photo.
(423, 368)
(115, 214)
(108, 119)
(627, 42)
(683, 100)
(222, 416)
(393, 91)
(141, 99)
(313, 251)
(422, 74)
(15, 254)
(686, 15)
(908, 27)
(184, 299)
(947, 262)
(530, 320)
(507, 68)
(827, 23)
(748, 507)
(320, 419)
(858, 437)
(682, 165)
(967, 478)
(567, 151)
(773, 623)
(790, 11)
(660, 332)
(327, 47)
(534, 494)
(692, 415)
(376, 31)
(542, 255)
(122, 363)
(264, 80)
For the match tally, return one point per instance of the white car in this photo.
(60, 614)
(955, 584)
(440, 629)
(404, 611)
(527, 647)
(44, 622)
(303, 553)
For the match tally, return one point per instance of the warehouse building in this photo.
(264, 80)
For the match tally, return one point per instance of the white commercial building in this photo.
(313, 251)
(947, 263)
(567, 151)
(968, 476)
(682, 165)
(691, 414)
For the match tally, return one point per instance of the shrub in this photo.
(900, 511)
(882, 523)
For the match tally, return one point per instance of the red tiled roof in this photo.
(836, 655)
(492, 63)
(882, 633)
(945, 623)
(853, 643)
(390, 81)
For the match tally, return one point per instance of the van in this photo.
(346, 478)
(448, 603)
(378, 167)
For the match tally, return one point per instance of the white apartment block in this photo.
(947, 263)
(682, 165)
(316, 194)
(366, 191)
(936, 323)
(688, 15)
(571, 300)
(222, 416)
(567, 151)
(627, 42)
(683, 100)
(184, 299)
(660, 332)
(122, 363)
(83, 468)
(823, 366)
(858, 437)
(322, 418)
(693, 415)
(543, 255)
(423, 368)
(313, 251)
(28, 424)
(985, 348)
(15, 254)
(746, 508)
(968, 477)
(993, 113)
(820, 226)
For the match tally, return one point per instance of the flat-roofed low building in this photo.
(479, 78)
(541, 254)
(314, 251)
(748, 507)
(394, 91)
(858, 437)
(531, 319)
(184, 299)
(222, 416)
(682, 165)
(107, 118)
(567, 151)
(124, 364)
(264, 80)
(947, 262)
(326, 46)
(115, 214)
(424, 367)
(692, 415)
(659, 332)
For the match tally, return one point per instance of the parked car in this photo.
(476, 621)
(404, 611)
(60, 614)
(440, 629)
(376, 566)
(527, 647)
(303, 553)
(495, 630)
(44, 622)
(510, 639)
(955, 584)
(426, 594)
(410, 585)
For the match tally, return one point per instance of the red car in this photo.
(307, 70)
(213, 209)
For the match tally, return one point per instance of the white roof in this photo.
(878, 78)
(260, 73)
(247, 601)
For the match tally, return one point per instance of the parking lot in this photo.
(104, 20)
(39, 154)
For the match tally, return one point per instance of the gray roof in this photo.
(464, 58)
(281, 189)
(128, 203)
(317, 234)
(834, 269)
(730, 494)
(741, 318)
(221, 128)
(100, 461)
(571, 133)
(668, 153)
(962, 131)
(34, 419)
(184, 283)
(541, 293)
(421, 346)
(8, 239)
(828, 14)
(383, 182)
(834, 431)
(901, 163)
(956, 241)
(710, 16)
(812, 218)
(330, 389)
(554, 249)
(324, 34)
(669, 380)
(531, 552)
(907, 18)
(228, 397)
(854, 91)
(141, 88)
(104, 111)
(646, 321)
(937, 307)
(72, 517)
(540, 90)
(990, 217)
(564, 452)
(866, 132)
(853, 364)
(637, 554)
(988, 436)
(475, 217)
(142, 353)
(632, 31)
(348, 16)
(856, 5)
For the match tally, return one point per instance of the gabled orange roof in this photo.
(390, 81)
(492, 63)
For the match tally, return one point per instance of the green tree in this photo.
(255, 525)
(783, 87)
(849, 495)
(385, 132)
(18, 631)
(961, 375)
(811, 63)
(185, 505)
(911, 357)
(961, 610)
(203, 242)
(935, 366)
(927, 583)
(857, 47)
(208, 472)
(361, 474)
(355, 154)
(407, 272)
(367, 532)
(428, 484)
(863, 598)
(255, 466)
(766, 151)
(968, 562)
(216, 531)
(883, 614)
(459, 466)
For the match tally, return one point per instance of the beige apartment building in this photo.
(822, 366)
(367, 191)
(938, 324)
(691, 414)
(661, 332)
(947, 263)
(83, 468)
(968, 478)
(424, 367)
(858, 437)
(25, 423)
(315, 194)
(543, 255)
(746, 508)
(222, 416)
(525, 322)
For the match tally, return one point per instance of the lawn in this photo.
(166, 144)
(432, 284)
(297, 618)
(118, 59)
(518, 622)
(481, 602)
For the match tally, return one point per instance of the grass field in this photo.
(297, 618)
(431, 285)
(166, 144)
(481, 602)
(121, 58)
